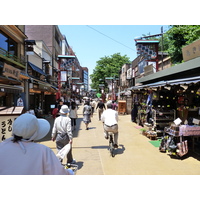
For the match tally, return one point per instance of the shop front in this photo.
(169, 95)
(42, 96)
(11, 85)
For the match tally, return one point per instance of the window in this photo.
(3, 42)
(8, 44)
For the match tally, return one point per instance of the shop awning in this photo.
(184, 70)
(11, 88)
(24, 75)
(183, 81)
(35, 68)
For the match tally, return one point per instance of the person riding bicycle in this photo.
(109, 118)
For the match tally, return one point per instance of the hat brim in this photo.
(64, 112)
(43, 129)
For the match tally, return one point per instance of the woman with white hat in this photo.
(62, 132)
(20, 155)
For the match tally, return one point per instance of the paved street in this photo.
(135, 156)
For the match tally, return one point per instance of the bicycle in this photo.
(74, 167)
(111, 145)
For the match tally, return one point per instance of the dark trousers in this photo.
(73, 121)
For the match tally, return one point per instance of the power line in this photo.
(110, 38)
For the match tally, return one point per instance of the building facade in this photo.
(12, 65)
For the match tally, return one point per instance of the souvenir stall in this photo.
(183, 134)
(163, 105)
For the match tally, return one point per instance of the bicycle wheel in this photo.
(111, 147)
(112, 152)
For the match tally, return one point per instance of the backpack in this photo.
(55, 112)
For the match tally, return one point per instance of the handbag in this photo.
(64, 151)
(182, 147)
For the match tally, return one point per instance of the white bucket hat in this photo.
(64, 109)
(30, 128)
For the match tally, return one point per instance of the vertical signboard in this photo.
(7, 118)
(6, 126)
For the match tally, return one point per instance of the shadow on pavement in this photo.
(119, 150)
(80, 164)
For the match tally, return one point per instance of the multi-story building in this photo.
(71, 72)
(43, 65)
(85, 80)
(36, 77)
(12, 65)
(59, 63)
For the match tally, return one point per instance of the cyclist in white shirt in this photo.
(109, 118)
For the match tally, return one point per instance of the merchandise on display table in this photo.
(174, 146)
(187, 130)
(162, 118)
(152, 135)
(183, 130)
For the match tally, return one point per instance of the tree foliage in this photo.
(108, 66)
(177, 37)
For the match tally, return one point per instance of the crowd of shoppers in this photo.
(30, 157)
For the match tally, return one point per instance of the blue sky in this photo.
(89, 45)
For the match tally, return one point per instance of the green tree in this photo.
(108, 66)
(179, 36)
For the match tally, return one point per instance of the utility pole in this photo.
(162, 45)
(28, 51)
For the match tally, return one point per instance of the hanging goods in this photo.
(182, 147)
(171, 146)
(163, 143)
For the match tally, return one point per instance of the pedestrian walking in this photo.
(93, 104)
(109, 118)
(87, 110)
(73, 114)
(21, 155)
(60, 104)
(114, 105)
(101, 107)
(62, 132)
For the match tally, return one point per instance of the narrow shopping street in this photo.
(135, 155)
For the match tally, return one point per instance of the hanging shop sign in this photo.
(10, 71)
(43, 87)
(129, 74)
(63, 75)
(191, 51)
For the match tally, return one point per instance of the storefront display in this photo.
(122, 106)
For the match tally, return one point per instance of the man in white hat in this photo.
(62, 132)
(20, 155)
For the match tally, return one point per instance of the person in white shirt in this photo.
(109, 118)
(73, 114)
(20, 155)
(62, 132)
(93, 104)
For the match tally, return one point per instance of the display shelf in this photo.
(162, 118)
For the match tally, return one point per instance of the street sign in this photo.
(98, 95)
